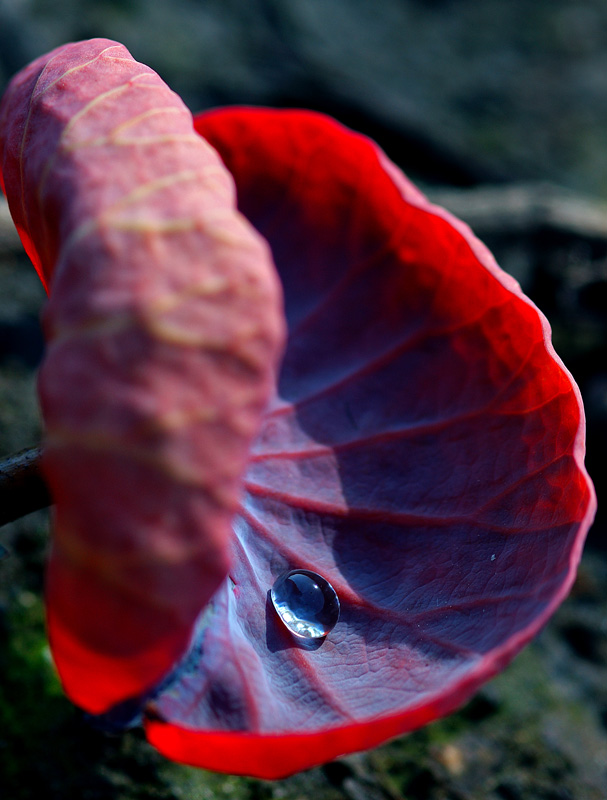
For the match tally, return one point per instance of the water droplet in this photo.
(306, 603)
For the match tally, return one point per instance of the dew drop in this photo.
(306, 603)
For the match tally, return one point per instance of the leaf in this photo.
(163, 327)
(424, 453)
(423, 450)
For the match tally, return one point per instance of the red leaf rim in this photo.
(268, 152)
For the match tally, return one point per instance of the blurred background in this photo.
(498, 109)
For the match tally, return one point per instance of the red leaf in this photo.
(424, 454)
(424, 451)
(163, 325)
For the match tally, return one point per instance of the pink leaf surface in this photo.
(164, 324)
(424, 453)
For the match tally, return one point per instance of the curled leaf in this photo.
(163, 325)
(424, 454)
(422, 449)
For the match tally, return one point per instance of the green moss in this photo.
(49, 749)
(30, 694)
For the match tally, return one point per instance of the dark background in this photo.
(503, 88)
(499, 110)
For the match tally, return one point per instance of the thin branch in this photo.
(22, 487)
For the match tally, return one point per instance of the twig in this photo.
(524, 208)
(22, 487)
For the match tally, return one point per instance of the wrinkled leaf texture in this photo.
(423, 452)
(163, 328)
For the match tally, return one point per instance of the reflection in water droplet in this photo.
(306, 603)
